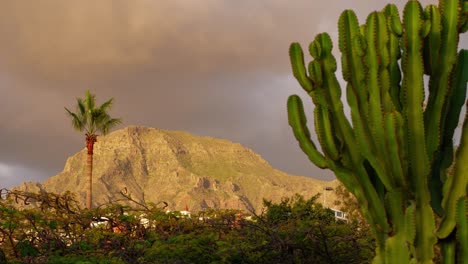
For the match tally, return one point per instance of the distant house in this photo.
(339, 215)
(181, 214)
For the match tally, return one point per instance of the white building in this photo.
(339, 215)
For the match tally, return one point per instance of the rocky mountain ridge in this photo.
(184, 170)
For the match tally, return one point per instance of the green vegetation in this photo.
(395, 155)
(91, 119)
(348, 204)
(56, 230)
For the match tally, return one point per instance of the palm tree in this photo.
(92, 120)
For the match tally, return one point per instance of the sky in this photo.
(216, 68)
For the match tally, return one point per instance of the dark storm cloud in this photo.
(211, 67)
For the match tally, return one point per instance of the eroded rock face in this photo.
(179, 168)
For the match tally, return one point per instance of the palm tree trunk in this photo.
(89, 180)
(90, 140)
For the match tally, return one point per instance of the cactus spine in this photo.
(396, 153)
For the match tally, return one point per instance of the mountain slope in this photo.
(179, 168)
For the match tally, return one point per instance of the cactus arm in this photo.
(456, 186)
(363, 138)
(414, 95)
(396, 152)
(297, 62)
(318, 95)
(332, 92)
(323, 118)
(432, 43)
(457, 97)
(432, 40)
(352, 46)
(464, 18)
(410, 223)
(445, 157)
(383, 53)
(462, 230)
(448, 250)
(298, 123)
(395, 203)
(323, 127)
(343, 127)
(419, 163)
(456, 101)
(391, 12)
(365, 145)
(439, 85)
(398, 248)
(441, 54)
(330, 83)
(449, 244)
(378, 82)
(375, 110)
(315, 73)
(321, 50)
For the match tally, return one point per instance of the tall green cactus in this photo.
(396, 153)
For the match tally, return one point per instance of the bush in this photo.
(295, 230)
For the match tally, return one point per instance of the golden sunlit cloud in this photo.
(53, 36)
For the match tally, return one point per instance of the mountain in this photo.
(182, 169)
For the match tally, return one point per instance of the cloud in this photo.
(58, 39)
(11, 175)
(54, 38)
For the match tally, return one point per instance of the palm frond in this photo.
(89, 100)
(105, 122)
(81, 110)
(109, 124)
(80, 106)
(77, 122)
(107, 105)
(93, 116)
